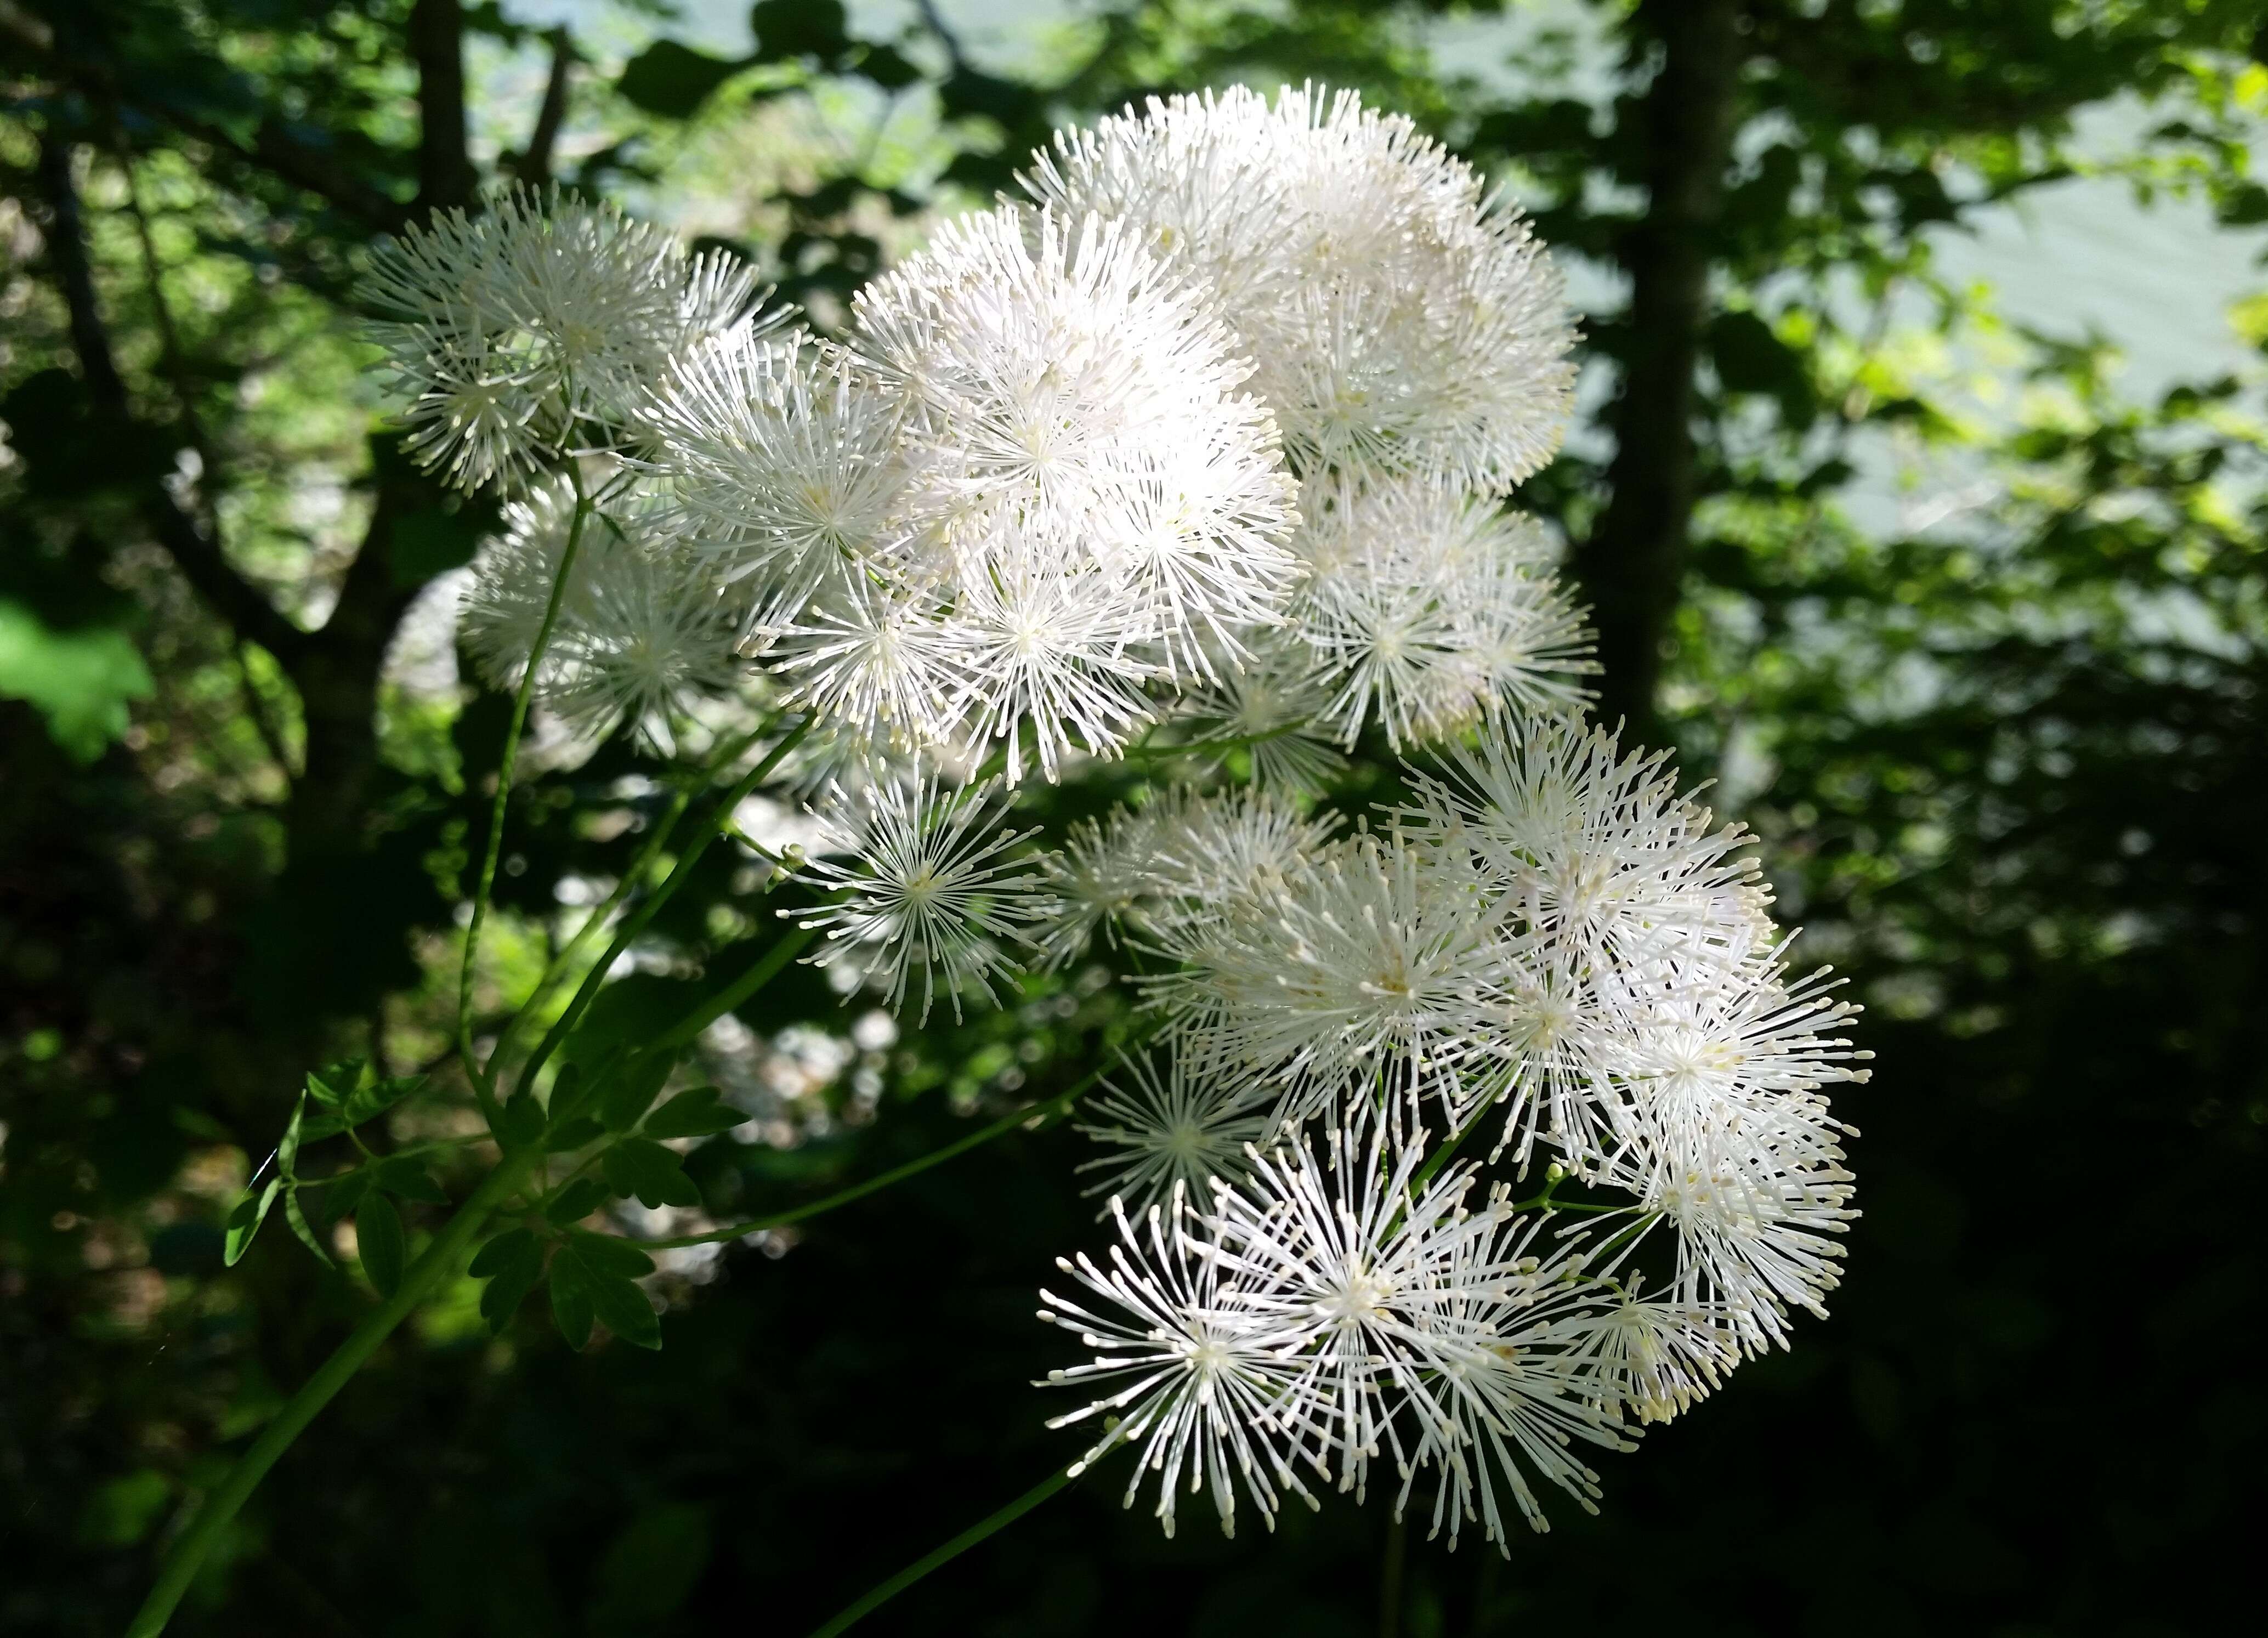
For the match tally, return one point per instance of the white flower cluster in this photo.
(1407, 332)
(1026, 493)
(1209, 442)
(1548, 936)
(1215, 430)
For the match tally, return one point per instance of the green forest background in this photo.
(1967, 622)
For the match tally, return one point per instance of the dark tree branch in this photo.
(198, 556)
(446, 176)
(1634, 560)
(310, 170)
(533, 166)
(934, 21)
(272, 150)
(337, 680)
(67, 251)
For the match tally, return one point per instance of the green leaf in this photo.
(646, 1575)
(608, 1254)
(341, 1198)
(120, 1513)
(511, 1264)
(405, 1177)
(373, 1095)
(295, 1218)
(886, 68)
(642, 1167)
(1750, 358)
(573, 1134)
(287, 1146)
(800, 28)
(511, 1247)
(520, 1122)
(567, 1092)
(355, 1099)
(377, 1232)
(672, 80)
(329, 1086)
(80, 679)
(570, 1301)
(578, 1201)
(623, 1307)
(631, 1091)
(245, 1221)
(699, 1113)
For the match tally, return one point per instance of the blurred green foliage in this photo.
(2009, 767)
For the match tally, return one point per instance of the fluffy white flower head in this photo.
(1400, 318)
(514, 331)
(925, 885)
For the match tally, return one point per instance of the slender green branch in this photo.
(1440, 1156)
(597, 918)
(976, 1533)
(1626, 1235)
(635, 923)
(431, 1146)
(1566, 1206)
(784, 950)
(1046, 1109)
(484, 1088)
(440, 1260)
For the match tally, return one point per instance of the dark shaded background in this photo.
(2006, 792)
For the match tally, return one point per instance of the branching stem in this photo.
(971, 1537)
(484, 1083)
(441, 1259)
(635, 923)
(1046, 1109)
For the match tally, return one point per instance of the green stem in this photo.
(372, 1160)
(785, 949)
(1045, 1109)
(1440, 1156)
(559, 964)
(482, 1087)
(636, 922)
(952, 1550)
(440, 1260)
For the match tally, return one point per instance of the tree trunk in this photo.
(1632, 563)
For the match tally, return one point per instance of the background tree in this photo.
(2009, 766)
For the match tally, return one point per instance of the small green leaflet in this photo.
(571, 1301)
(521, 1123)
(578, 1201)
(405, 1177)
(642, 1167)
(377, 1232)
(295, 1218)
(594, 1276)
(699, 1113)
(631, 1091)
(574, 1134)
(352, 1093)
(245, 1221)
(511, 1264)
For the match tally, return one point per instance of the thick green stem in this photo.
(439, 1262)
(481, 1088)
(946, 1554)
(1046, 1109)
